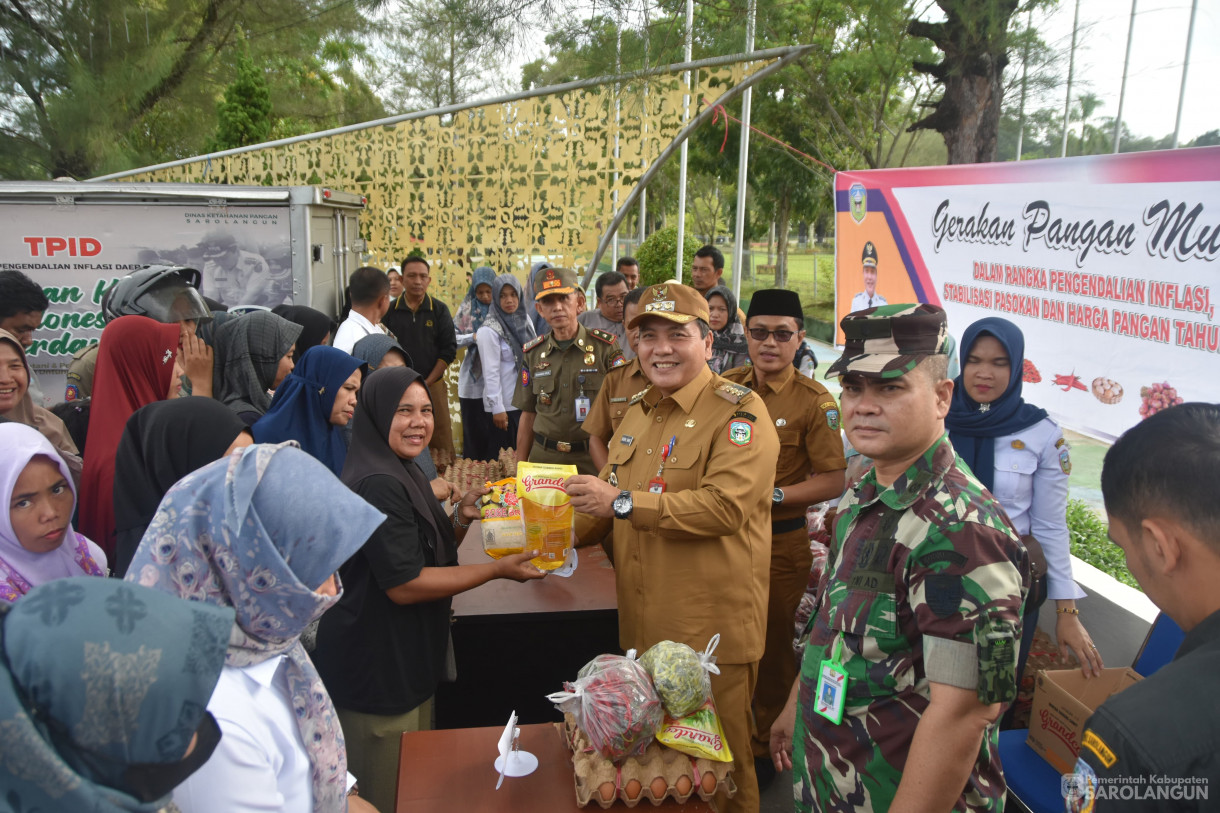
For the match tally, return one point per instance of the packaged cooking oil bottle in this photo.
(500, 519)
(546, 511)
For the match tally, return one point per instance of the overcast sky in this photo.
(1155, 74)
(1157, 50)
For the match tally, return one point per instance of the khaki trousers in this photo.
(373, 745)
(442, 432)
(791, 560)
(732, 690)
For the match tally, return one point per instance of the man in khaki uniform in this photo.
(563, 373)
(620, 386)
(689, 480)
(810, 470)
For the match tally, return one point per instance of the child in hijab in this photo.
(37, 541)
(379, 350)
(316, 327)
(262, 531)
(103, 690)
(472, 313)
(16, 403)
(136, 365)
(502, 359)
(253, 355)
(729, 348)
(313, 405)
(161, 444)
(383, 651)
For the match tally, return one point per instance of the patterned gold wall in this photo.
(501, 185)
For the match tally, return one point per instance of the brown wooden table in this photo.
(514, 643)
(452, 772)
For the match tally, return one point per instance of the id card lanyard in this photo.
(582, 401)
(657, 484)
(832, 685)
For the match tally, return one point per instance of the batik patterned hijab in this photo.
(471, 313)
(20, 569)
(99, 676)
(245, 532)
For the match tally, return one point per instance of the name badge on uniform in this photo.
(831, 695)
(582, 408)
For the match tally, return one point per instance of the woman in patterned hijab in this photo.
(245, 532)
(103, 689)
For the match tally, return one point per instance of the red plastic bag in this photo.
(615, 704)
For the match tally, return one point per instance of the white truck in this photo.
(254, 245)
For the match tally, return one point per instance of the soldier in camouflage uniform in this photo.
(920, 610)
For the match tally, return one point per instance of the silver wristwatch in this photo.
(777, 496)
(622, 505)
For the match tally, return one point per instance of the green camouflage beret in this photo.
(888, 341)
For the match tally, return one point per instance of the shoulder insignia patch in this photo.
(745, 416)
(733, 393)
(1065, 460)
(608, 338)
(531, 344)
(617, 360)
(832, 419)
(1099, 748)
(740, 433)
(639, 396)
(1059, 442)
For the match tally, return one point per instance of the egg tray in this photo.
(599, 781)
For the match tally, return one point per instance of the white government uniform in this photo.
(1031, 484)
(861, 301)
(260, 763)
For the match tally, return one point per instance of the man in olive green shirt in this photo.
(563, 373)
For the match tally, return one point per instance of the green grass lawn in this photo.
(809, 274)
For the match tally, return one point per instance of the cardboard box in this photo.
(1063, 701)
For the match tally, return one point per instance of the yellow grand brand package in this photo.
(546, 511)
(500, 519)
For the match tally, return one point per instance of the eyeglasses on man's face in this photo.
(760, 334)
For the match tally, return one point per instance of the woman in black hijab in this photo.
(162, 443)
(381, 651)
(316, 327)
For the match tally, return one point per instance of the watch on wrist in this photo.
(622, 505)
(777, 496)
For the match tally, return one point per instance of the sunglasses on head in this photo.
(760, 334)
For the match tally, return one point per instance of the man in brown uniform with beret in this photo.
(563, 373)
(810, 470)
(687, 489)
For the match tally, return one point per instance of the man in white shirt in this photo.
(370, 292)
(868, 298)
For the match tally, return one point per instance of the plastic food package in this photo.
(680, 675)
(546, 511)
(500, 520)
(615, 705)
(698, 734)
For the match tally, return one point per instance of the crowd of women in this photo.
(288, 507)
